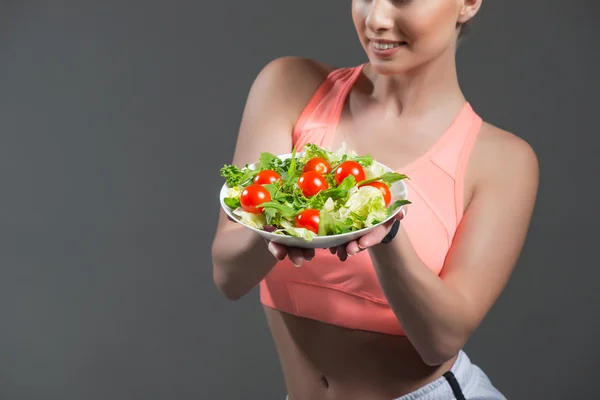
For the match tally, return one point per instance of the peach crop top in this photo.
(348, 293)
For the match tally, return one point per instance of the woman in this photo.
(371, 319)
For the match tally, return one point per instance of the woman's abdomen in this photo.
(323, 361)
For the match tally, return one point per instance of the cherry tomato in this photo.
(349, 168)
(385, 190)
(317, 164)
(311, 183)
(309, 219)
(266, 177)
(252, 196)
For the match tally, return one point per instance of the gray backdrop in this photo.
(115, 117)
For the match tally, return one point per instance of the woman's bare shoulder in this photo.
(499, 152)
(292, 79)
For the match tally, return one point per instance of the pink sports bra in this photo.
(348, 293)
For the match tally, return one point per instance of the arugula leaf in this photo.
(397, 204)
(281, 167)
(340, 191)
(274, 189)
(388, 177)
(365, 160)
(291, 172)
(267, 160)
(249, 174)
(312, 150)
(285, 210)
(299, 200)
(232, 202)
(270, 214)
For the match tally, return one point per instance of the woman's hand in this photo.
(296, 255)
(381, 234)
(299, 256)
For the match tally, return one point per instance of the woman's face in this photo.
(399, 35)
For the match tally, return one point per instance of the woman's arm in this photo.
(241, 258)
(439, 314)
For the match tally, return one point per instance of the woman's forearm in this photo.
(433, 315)
(241, 260)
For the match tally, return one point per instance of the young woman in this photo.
(375, 319)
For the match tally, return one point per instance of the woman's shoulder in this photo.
(296, 71)
(292, 78)
(500, 146)
(502, 157)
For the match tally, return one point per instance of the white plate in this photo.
(399, 192)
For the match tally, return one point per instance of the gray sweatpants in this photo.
(463, 378)
(468, 379)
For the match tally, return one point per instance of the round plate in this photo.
(399, 192)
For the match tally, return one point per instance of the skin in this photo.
(415, 92)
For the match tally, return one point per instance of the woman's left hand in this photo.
(385, 231)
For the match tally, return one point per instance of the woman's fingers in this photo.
(296, 256)
(352, 248)
(278, 251)
(341, 253)
(402, 214)
(309, 254)
(376, 235)
(299, 256)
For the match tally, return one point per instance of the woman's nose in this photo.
(380, 16)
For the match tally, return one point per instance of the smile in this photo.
(386, 46)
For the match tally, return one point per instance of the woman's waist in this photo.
(321, 360)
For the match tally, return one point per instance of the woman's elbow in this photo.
(437, 357)
(226, 285)
(442, 351)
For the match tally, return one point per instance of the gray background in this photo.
(115, 117)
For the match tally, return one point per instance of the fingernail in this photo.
(308, 259)
(360, 247)
(296, 265)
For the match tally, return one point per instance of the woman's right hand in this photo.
(297, 256)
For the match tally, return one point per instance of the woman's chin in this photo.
(387, 67)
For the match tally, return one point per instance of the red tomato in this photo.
(252, 196)
(309, 219)
(385, 190)
(266, 177)
(311, 183)
(349, 168)
(317, 164)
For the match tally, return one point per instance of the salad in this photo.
(316, 192)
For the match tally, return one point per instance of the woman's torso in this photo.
(327, 361)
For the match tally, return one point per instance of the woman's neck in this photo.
(429, 87)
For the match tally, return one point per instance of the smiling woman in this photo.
(371, 319)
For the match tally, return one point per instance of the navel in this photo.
(324, 382)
